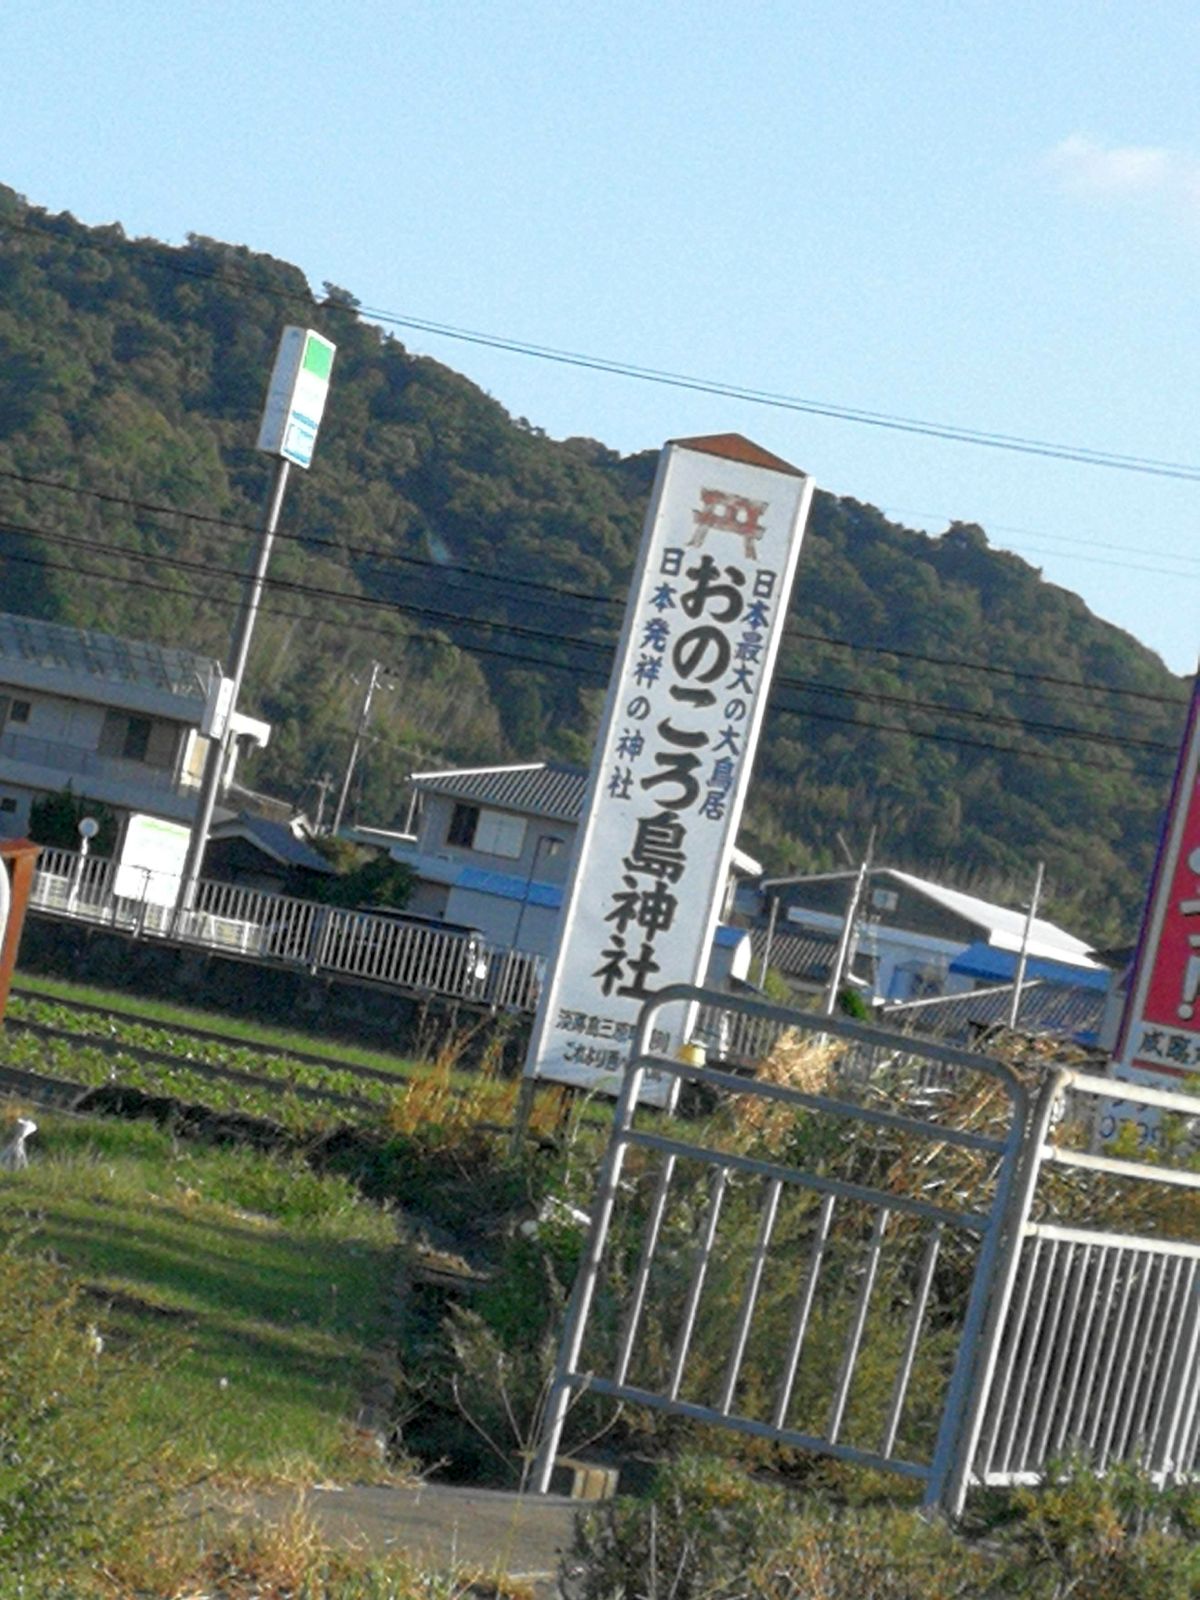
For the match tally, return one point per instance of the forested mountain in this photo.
(935, 688)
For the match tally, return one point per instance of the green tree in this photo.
(54, 820)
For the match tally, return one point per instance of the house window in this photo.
(7, 805)
(19, 711)
(137, 739)
(463, 822)
(499, 833)
(492, 833)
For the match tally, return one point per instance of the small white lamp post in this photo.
(88, 829)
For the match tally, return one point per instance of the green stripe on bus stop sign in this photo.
(318, 356)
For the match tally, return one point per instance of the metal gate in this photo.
(885, 1273)
(795, 1302)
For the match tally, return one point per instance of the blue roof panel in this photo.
(982, 960)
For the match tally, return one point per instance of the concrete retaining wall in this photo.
(339, 1008)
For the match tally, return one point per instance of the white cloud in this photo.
(1091, 170)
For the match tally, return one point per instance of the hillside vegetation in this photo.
(484, 563)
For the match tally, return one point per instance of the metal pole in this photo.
(363, 719)
(323, 785)
(770, 940)
(1018, 983)
(608, 1183)
(847, 938)
(218, 749)
(996, 1268)
(523, 1109)
(552, 843)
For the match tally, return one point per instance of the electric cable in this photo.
(429, 613)
(601, 673)
(953, 433)
(559, 591)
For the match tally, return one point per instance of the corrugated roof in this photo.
(1064, 1010)
(985, 961)
(105, 656)
(797, 955)
(538, 788)
(1005, 928)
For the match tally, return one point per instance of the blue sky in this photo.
(985, 214)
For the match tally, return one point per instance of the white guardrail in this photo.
(281, 930)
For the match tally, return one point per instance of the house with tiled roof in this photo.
(261, 853)
(491, 848)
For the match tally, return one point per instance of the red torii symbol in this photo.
(729, 513)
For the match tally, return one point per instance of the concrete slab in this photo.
(522, 1536)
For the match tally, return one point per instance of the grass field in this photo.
(410, 1097)
(258, 1290)
(261, 1036)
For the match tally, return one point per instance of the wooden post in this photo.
(19, 857)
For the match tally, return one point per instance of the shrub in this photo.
(710, 1532)
(54, 820)
(1104, 1537)
(69, 1492)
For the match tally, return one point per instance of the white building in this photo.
(915, 938)
(115, 720)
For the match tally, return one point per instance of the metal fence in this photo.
(913, 1268)
(276, 929)
(1093, 1334)
(785, 1302)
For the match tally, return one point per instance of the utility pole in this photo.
(768, 942)
(1019, 981)
(288, 431)
(845, 952)
(363, 719)
(322, 785)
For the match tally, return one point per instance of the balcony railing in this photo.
(280, 930)
(73, 762)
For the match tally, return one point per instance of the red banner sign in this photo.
(1160, 1032)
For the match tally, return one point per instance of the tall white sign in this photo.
(701, 632)
(296, 396)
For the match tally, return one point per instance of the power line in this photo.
(367, 552)
(1083, 455)
(230, 603)
(934, 736)
(542, 636)
(295, 586)
(561, 592)
(968, 714)
(892, 512)
(952, 433)
(596, 647)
